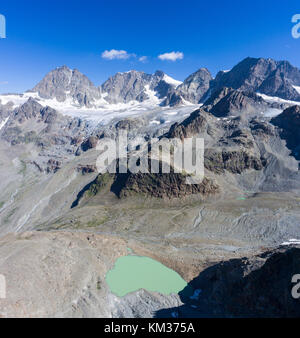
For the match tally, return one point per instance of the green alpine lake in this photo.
(132, 273)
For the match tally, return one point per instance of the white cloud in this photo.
(115, 54)
(143, 58)
(3, 83)
(173, 56)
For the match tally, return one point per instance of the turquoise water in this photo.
(132, 273)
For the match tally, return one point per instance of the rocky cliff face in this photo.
(267, 76)
(258, 286)
(234, 161)
(194, 89)
(196, 123)
(274, 78)
(126, 87)
(239, 144)
(63, 83)
(52, 134)
(227, 102)
(289, 124)
(135, 86)
(166, 186)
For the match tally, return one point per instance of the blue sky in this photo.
(42, 35)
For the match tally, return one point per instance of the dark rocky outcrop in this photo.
(227, 101)
(258, 286)
(129, 124)
(164, 186)
(242, 137)
(289, 123)
(86, 168)
(89, 143)
(53, 166)
(196, 123)
(261, 128)
(234, 161)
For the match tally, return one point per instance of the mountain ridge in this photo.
(66, 86)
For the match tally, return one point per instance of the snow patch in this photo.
(275, 99)
(154, 122)
(3, 123)
(152, 96)
(172, 113)
(291, 242)
(297, 88)
(272, 112)
(171, 81)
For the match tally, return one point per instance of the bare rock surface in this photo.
(47, 274)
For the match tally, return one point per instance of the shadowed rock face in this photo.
(289, 124)
(258, 286)
(246, 75)
(274, 78)
(277, 84)
(227, 101)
